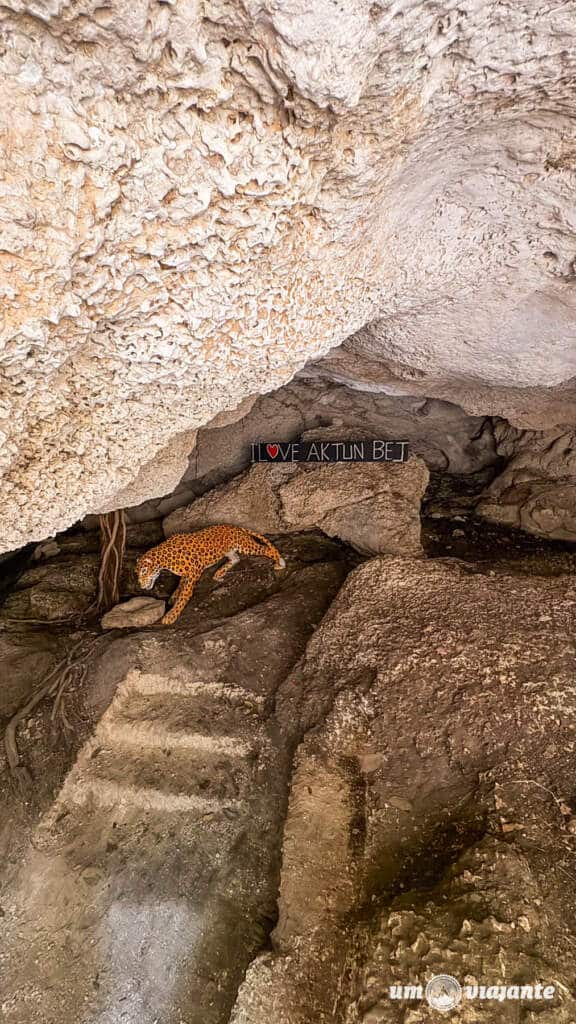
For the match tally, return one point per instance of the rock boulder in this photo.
(426, 831)
(374, 507)
(139, 611)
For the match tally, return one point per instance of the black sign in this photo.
(330, 451)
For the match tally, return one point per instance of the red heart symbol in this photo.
(272, 450)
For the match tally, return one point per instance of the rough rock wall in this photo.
(536, 491)
(199, 197)
(443, 435)
(436, 705)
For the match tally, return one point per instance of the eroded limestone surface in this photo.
(198, 199)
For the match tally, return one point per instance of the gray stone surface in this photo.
(60, 587)
(24, 661)
(149, 883)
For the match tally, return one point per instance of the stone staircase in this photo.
(152, 748)
(156, 860)
(150, 883)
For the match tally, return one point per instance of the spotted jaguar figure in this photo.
(188, 554)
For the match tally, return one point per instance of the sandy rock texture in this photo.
(22, 664)
(488, 910)
(200, 198)
(374, 507)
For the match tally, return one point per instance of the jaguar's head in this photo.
(148, 571)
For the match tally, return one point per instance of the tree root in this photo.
(112, 548)
(54, 685)
(73, 666)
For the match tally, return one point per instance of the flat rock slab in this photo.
(139, 611)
